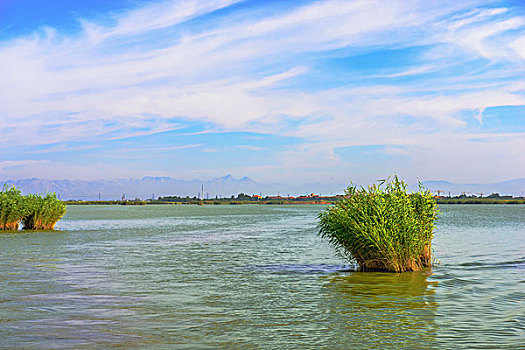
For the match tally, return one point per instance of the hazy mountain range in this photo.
(225, 186)
(149, 187)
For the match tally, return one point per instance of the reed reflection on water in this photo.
(381, 310)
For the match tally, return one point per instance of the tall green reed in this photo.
(382, 227)
(35, 212)
(42, 212)
(12, 208)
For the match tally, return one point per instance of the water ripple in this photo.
(250, 277)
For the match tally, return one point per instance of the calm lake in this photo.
(244, 277)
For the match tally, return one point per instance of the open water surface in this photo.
(245, 277)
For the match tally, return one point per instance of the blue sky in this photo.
(280, 91)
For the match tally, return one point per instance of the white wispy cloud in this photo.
(251, 147)
(153, 16)
(413, 71)
(479, 33)
(141, 73)
(20, 163)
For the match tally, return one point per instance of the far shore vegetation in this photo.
(31, 212)
(311, 198)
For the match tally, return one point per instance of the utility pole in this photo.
(202, 191)
(99, 196)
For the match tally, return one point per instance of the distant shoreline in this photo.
(319, 201)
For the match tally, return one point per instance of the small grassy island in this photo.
(34, 212)
(382, 229)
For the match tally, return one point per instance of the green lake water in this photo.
(249, 277)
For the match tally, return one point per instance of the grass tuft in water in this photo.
(12, 208)
(35, 212)
(382, 227)
(43, 212)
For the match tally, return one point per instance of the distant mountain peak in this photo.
(247, 180)
(156, 178)
(437, 182)
(225, 178)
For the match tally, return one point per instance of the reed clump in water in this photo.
(35, 212)
(382, 229)
(12, 208)
(42, 212)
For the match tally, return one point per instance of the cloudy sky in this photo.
(280, 91)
